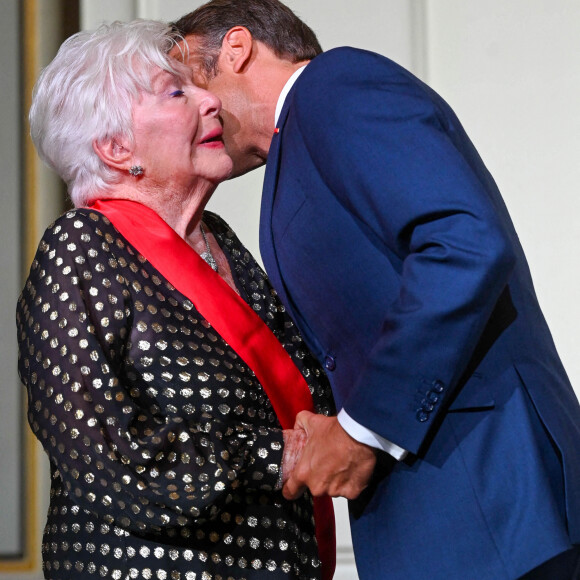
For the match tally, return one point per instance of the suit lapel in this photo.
(323, 510)
(267, 242)
(267, 246)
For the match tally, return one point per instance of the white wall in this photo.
(511, 71)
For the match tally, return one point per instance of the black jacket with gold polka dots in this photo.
(164, 448)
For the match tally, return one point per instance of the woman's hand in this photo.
(294, 441)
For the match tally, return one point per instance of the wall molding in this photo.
(419, 39)
(29, 557)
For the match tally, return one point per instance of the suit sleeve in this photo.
(396, 159)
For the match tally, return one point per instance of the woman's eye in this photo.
(177, 93)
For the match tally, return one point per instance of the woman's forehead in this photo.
(160, 77)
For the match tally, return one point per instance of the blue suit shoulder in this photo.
(342, 63)
(339, 77)
(351, 58)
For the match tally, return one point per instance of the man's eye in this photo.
(177, 93)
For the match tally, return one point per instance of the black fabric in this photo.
(164, 448)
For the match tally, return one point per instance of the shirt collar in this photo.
(289, 84)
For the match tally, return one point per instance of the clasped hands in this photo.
(321, 456)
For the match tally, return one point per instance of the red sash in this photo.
(235, 321)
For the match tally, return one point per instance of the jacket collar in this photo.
(267, 247)
(285, 90)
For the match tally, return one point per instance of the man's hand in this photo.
(332, 462)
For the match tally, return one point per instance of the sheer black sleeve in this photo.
(131, 407)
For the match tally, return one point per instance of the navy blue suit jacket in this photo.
(389, 242)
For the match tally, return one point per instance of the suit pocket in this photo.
(475, 395)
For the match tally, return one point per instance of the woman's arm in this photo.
(118, 454)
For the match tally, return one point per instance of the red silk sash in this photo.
(235, 321)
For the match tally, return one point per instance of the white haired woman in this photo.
(163, 375)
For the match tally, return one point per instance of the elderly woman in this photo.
(159, 364)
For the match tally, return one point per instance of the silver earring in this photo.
(136, 170)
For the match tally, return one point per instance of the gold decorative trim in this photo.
(29, 30)
(30, 49)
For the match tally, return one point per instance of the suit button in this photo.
(438, 386)
(422, 416)
(329, 363)
(432, 397)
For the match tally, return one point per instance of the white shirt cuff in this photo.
(368, 437)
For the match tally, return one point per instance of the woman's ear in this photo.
(237, 47)
(114, 152)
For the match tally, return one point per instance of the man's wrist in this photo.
(364, 435)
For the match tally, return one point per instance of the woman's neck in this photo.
(182, 211)
(183, 214)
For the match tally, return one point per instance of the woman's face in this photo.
(178, 134)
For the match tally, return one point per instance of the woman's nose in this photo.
(210, 104)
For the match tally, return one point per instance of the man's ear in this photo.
(237, 48)
(114, 152)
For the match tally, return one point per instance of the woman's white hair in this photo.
(86, 95)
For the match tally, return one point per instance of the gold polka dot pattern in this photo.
(164, 448)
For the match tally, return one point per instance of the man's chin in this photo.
(245, 166)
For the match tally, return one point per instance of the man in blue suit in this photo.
(389, 243)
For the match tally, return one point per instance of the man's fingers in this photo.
(348, 489)
(303, 419)
(332, 462)
(292, 489)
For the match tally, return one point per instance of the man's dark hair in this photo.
(269, 21)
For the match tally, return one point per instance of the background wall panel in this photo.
(511, 71)
(11, 434)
